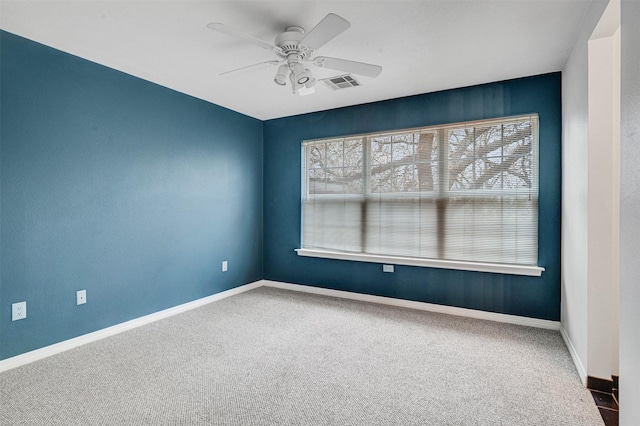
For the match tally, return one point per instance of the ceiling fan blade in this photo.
(327, 29)
(359, 68)
(250, 68)
(217, 26)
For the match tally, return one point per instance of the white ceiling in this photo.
(423, 46)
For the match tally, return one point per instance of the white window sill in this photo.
(499, 268)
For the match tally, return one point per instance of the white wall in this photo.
(575, 200)
(603, 182)
(615, 199)
(630, 215)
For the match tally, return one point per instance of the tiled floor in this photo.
(608, 407)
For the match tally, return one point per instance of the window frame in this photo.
(443, 190)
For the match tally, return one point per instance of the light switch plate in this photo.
(18, 311)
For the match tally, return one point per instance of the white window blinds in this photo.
(465, 191)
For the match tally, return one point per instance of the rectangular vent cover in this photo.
(341, 82)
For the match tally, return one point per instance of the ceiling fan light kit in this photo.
(281, 75)
(294, 47)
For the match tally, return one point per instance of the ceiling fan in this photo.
(294, 48)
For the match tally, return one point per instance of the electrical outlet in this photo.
(387, 268)
(224, 266)
(18, 311)
(81, 297)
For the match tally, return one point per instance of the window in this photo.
(464, 192)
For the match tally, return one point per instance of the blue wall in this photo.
(537, 297)
(115, 185)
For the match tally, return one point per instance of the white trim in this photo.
(582, 372)
(422, 306)
(47, 351)
(499, 268)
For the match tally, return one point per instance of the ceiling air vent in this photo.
(341, 82)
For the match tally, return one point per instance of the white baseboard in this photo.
(47, 351)
(35, 355)
(582, 372)
(422, 306)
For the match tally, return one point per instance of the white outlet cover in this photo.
(18, 311)
(81, 297)
(387, 268)
(224, 266)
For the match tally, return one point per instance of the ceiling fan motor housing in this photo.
(289, 43)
